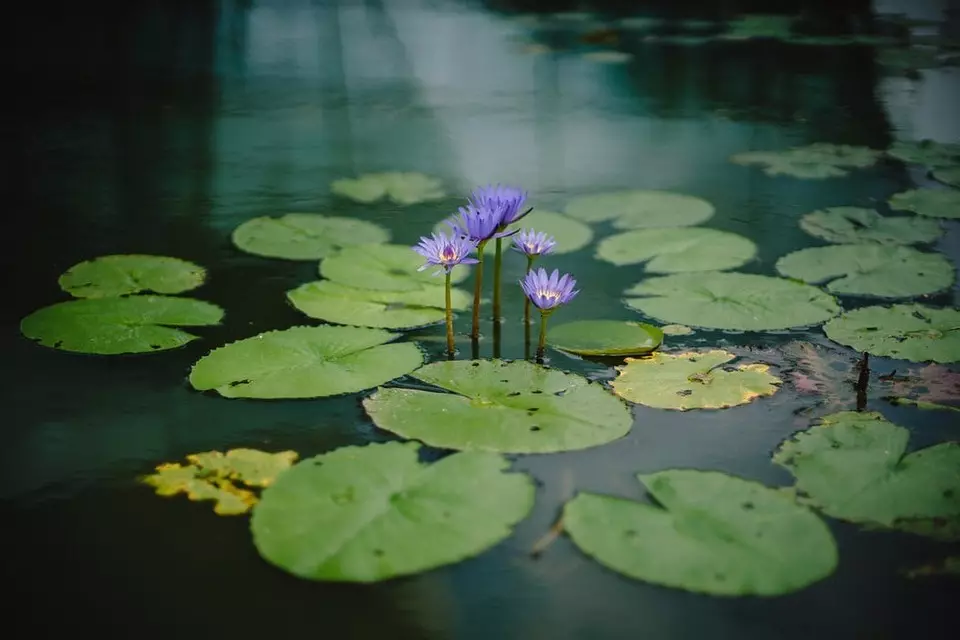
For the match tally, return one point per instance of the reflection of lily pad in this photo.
(571, 235)
(364, 514)
(515, 407)
(815, 161)
(641, 209)
(400, 187)
(720, 300)
(605, 337)
(886, 271)
(385, 267)
(936, 203)
(908, 332)
(714, 534)
(305, 362)
(948, 175)
(692, 380)
(304, 236)
(326, 300)
(678, 250)
(854, 466)
(857, 224)
(110, 326)
(926, 152)
(122, 275)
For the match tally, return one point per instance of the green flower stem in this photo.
(477, 285)
(526, 300)
(543, 334)
(497, 258)
(450, 347)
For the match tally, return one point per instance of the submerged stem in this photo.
(449, 316)
(497, 260)
(477, 285)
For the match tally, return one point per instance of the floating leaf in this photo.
(676, 330)
(886, 271)
(605, 337)
(857, 224)
(110, 326)
(925, 152)
(607, 57)
(571, 235)
(854, 466)
(818, 160)
(120, 275)
(936, 203)
(305, 362)
(775, 26)
(515, 407)
(948, 175)
(922, 404)
(364, 514)
(400, 187)
(949, 566)
(678, 250)
(714, 534)
(251, 467)
(304, 236)
(385, 267)
(722, 300)
(930, 384)
(907, 331)
(692, 380)
(640, 209)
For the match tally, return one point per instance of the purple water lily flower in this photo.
(549, 292)
(504, 202)
(445, 252)
(477, 225)
(533, 243)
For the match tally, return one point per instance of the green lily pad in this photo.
(854, 466)
(508, 407)
(775, 26)
(886, 271)
(714, 533)
(906, 331)
(948, 175)
(607, 57)
(856, 224)
(949, 566)
(110, 326)
(365, 514)
(925, 152)
(815, 161)
(400, 187)
(936, 203)
(605, 337)
(641, 209)
(384, 267)
(110, 276)
(305, 362)
(692, 380)
(332, 302)
(304, 236)
(571, 235)
(922, 404)
(678, 250)
(739, 301)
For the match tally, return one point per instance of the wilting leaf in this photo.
(605, 337)
(907, 331)
(402, 188)
(818, 160)
(851, 225)
(365, 514)
(949, 566)
(385, 267)
(251, 467)
(121, 275)
(304, 236)
(678, 250)
(641, 209)
(936, 203)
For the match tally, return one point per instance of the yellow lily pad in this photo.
(253, 468)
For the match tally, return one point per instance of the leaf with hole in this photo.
(403, 188)
(641, 209)
(121, 275)
(851, 225)
(935, 203)
(605, 337)
(678, 250)
(304, 236)
(385, 267)
(906, 331)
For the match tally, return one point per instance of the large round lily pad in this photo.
(332, 302)
(305, 362)
(926, 152)
(859, 225)
(886, 271)
(571, 235)
(509, 407)
(720, 300)
(605, 337)
(110, 326)
(640, 209)
(714, 534)
(948, 175)
(400, 187)
(815, 161)
(936, 203)
(692, 380)
(304, 236)
(906, 331)
(385, 267)
(855, 466)
(678, 250)
(364, 514)
(120, 275)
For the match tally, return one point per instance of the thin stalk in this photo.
(543, 335)
(526, 300)
(450, 348)
(497, 266)
(477, 285)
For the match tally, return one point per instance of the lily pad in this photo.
(605, 337)
(641, 209)
(815, 161)
(120, 275)
(571, 235)
(742, 301)
(906, 331)
(304, 236)
(949, 566)
(925, 152)
(692, 380)
(110, 326)
(885, 271)
(922, 404)
(714, 533)
(775, 26)
(678, 250)
(676, 330)
(508, 407)
(936, 203)
(948, 175)
(365, 514)
(400, 187)
(854, 466)
(252, 467)
(384, 267)
(856, 224)
(607, 57)
(305, 362)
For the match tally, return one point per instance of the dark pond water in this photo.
(160, 128)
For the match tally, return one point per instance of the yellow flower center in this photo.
(548, 294)
(448, 254)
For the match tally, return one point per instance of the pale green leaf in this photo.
(936, 203)
(906, 331)
(856, 224)
(304, 236)
(678, 250)
(385, 267)
(401, 187)
(640, 209)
